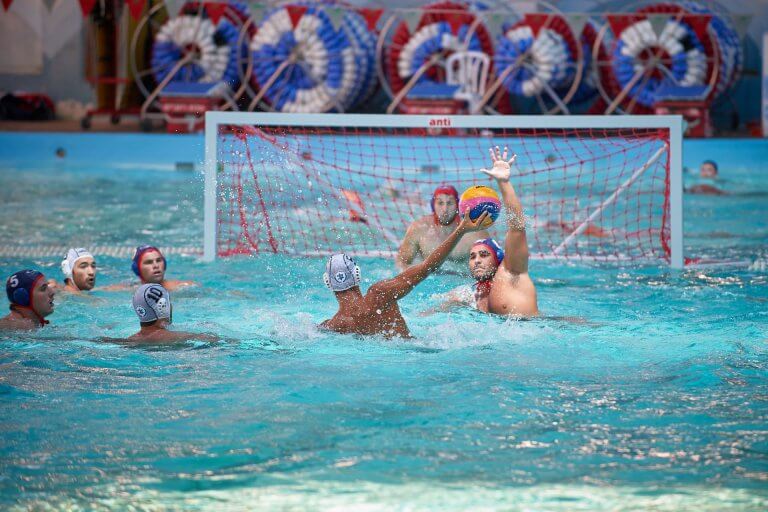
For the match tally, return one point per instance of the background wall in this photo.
(48, 43)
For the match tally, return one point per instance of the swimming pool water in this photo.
(656, 399)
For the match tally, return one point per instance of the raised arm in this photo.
(392, 290)
(409, 248)
(515, 243)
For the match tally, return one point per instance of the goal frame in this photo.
(673, 123)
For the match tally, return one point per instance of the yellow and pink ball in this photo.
(479, 199)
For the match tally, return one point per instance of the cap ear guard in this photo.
(66, 269)
(21, 297)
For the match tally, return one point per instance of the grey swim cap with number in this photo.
(341, 273)
(152, 302)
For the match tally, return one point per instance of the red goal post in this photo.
(594, 188)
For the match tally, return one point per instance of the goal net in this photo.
(593, 188)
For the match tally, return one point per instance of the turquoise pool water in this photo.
(658, 401)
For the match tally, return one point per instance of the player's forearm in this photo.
(439, 255)
(512, 204)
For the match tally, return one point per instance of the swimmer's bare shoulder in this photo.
(17, 324)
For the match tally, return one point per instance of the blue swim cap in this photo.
(494, 246)
(140, 251)
(20, 285)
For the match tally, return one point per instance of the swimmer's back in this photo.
(370, 319)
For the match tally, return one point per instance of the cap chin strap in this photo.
(483, 287)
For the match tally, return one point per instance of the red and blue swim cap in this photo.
(21, 285)
(494, 246)
(447, 190)
(139, 254)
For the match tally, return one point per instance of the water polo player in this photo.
(503, 284)
(79, 269)
(152, 304)
(377, 311)
(150, 265)
(31, 299)
(426, 233)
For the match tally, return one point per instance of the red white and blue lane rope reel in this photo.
(696, 52)
(680, 53)
(537, 57)
(443, 28)
(302, 63)
(729, 47)
(209, 45)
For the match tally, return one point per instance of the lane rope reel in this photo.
(443, 28)
(323, 69)
(211, 46)
(544, 53)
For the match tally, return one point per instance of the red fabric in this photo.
(372, 17)
(136, 7)
(7, 4)
(87, 6)
(295, 12)
(215, 11)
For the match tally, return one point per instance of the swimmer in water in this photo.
(31, 298)
(79, 269)
(426, 233)
(150, 265)
(503, 285)
(152, 304)
(709, 173)
(377, 311)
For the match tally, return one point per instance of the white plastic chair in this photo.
(469, 70)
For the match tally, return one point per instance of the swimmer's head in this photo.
(29, 289)
(151, 303)
(708, 169)
(445, 204)
(341, 273)
(149, 264)
(79, 268)
(485, 256)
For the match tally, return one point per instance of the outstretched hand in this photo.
(502, 168)
(468, 225)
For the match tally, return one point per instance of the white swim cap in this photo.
(341, 273)
(68, 264)
(152, 302)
